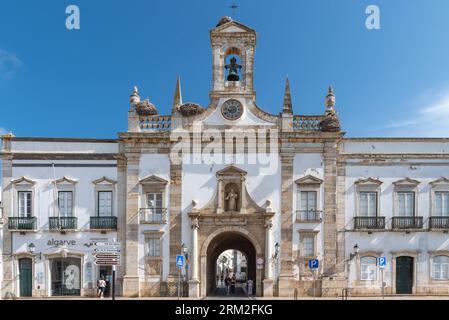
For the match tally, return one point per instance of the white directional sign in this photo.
(108, 244)
(107, 250)
(107, 254)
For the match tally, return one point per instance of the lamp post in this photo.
(32, 250)
(352, 255)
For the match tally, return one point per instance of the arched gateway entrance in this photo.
(235, 238)
(226, 241)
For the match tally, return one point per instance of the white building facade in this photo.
(281, 189)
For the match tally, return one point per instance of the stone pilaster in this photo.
(175, 217)
(268, 281)
(340, 216)
(286, 278)
(8, 277)
(131, 285)
(121, 213)
(194, 283)
(330, 207)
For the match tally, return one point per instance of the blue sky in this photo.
(60, 83)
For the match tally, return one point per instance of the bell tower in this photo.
(233, 46)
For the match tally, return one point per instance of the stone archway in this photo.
(221, 240)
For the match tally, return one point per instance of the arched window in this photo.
(368, 267)
(440, 270)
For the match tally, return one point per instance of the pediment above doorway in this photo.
(231, 196)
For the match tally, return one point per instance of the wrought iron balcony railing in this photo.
(407, 223)
(369, 223)
(308, 215)
(439, 222)
(22, 223)
(103, 223)
(153, 215)
(63, 223)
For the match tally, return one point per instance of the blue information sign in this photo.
(313, 264)
(180, 261)
(382, 262)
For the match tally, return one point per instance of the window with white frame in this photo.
(65, 203)
(441, 204)
(104, 203)
(154, 247)
(406, 204)
(368, 204)
(308, 204)
(154, 205)
(25, 204)
(368, 267)
(440, 270)
(308, 245)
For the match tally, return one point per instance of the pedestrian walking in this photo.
(101, 287)
(233, 281)
(250, 287)
(227, 284)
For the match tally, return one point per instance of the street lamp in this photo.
(352, 255)
(32, 249)
(276, 251)
(354, 252)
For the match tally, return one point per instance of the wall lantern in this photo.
(354, 252)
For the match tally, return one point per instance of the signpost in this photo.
(382, 263)
(179, 264)
(108, 254)
(313, 265)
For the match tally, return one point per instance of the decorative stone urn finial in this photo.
(330, 99)
(330, 123)
(134, 98)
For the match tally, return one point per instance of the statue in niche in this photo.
(231, 198)
(233, 70)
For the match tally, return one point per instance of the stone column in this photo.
(268, 281)
(194, 283)
(330, 207)
(131, 282)
(286, 278)
(333, 280)
(220, 207)
(175, 218)
(121, 216)
(243, 194)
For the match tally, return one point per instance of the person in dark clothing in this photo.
(233, 281)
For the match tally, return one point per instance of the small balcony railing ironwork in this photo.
(153, 215)
(62, 223)
(308, 215)
(22, 223)
(439, 223)
(407, 223)
(369, 223)
(103, 223)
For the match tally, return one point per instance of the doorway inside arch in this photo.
(230, 255)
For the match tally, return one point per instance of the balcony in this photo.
(404, 223)
(22, 223)
(439, 223)
(153, 215)
(308, 216)
(103, 223)
(62, 223)
(369, 223)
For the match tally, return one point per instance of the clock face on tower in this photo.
(232, 109)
